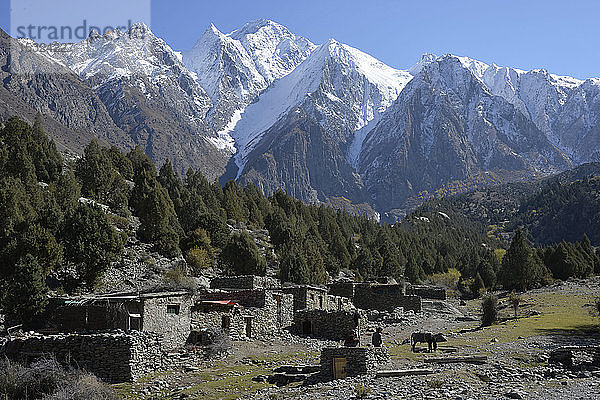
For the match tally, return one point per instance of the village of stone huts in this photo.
(298, 341)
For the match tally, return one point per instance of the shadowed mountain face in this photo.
(71, 111)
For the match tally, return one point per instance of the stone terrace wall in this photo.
(333, 325)
(427, 292)
(359, 360)
(384, 297)
(250, 282)
(113, 357)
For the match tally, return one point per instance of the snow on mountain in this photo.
(222, 63)
(341, 84)
(445, 126)
(275, 50)
(123, 54)
(150, 95)
(539, 95)
(235, 68)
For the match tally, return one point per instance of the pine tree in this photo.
(293, 267)
(170, 181)
(90, 242)
(153, 206)
(478, 286)
(242, 257)
(100, 179)
(47, 160)
(26, 298)
(521, 267)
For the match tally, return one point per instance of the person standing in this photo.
(376, 339)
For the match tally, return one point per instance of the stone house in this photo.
(165, 313)
(343, 362)
(377, 296)
(427, 292)
(264, 311)
(315, 298)
(210, 315)
(248, 282)
(333, 325)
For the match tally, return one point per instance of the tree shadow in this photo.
(581, 335)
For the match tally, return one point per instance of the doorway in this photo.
(248, 322)
(339, 367)
(306, 327)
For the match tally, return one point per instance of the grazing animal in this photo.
(426, 337)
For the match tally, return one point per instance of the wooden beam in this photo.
(403, 372)
(457, 359)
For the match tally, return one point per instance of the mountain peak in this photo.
(426, 58)
(211, 31)
(252, 27)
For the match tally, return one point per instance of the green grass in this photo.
(560, 314)
(227, 380)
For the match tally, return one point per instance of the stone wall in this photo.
(343, 289)
(264, 312)
(246, 298)
(113, 357)
(359, 360)
(384, 297)
(250, 282)
(313, 298)
(276, 314)
(333, 325)
(175, 327)
(427, 292)
(211, 317)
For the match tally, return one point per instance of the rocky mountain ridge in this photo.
(263, 105)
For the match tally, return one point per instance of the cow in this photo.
(426, 337)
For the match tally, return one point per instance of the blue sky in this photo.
(561, 36)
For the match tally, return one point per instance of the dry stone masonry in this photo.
(113, 356)
(333, 325)
(342, 362)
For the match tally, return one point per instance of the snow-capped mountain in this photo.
(151, 96)
(445, 126)
(558, 105)
(337, 91)
(235, 68)
(264, 105)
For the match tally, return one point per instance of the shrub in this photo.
(514, 300)
(47, 379)
(177, 278)
(216, 343)
(361, 391)
(435, 383)
(449, 279)
(489, 307)
(198, 260)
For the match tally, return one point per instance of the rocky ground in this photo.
(517, 351)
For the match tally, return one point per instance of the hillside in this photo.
(561, 207)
